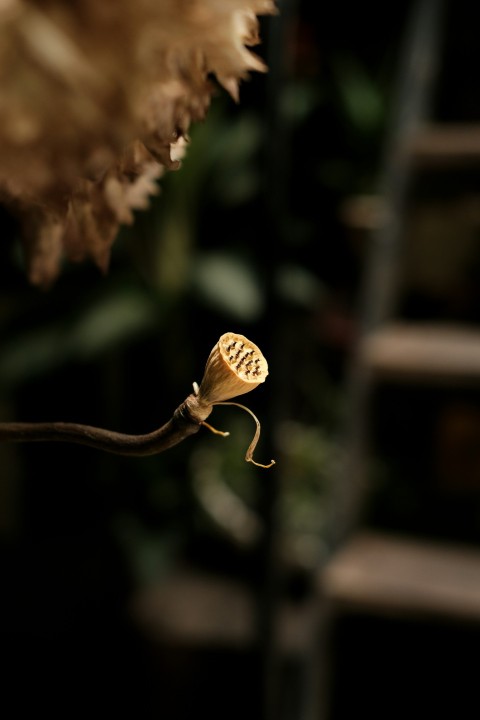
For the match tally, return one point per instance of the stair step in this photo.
(423, 352)
(193, 608)
(387, 573)
(447, 144)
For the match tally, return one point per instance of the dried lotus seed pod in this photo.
(235, 366)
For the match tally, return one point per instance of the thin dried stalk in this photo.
(222, 375)
(256, 437)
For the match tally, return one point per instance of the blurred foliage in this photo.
(205, 258)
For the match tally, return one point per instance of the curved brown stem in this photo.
(234, 367)
(185, 421)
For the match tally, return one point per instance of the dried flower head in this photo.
(96, 102)
(234, 367)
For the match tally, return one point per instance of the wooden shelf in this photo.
(191, 608)
(423, 352)
(384, 573)
(447, 145)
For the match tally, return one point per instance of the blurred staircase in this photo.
(411, 367)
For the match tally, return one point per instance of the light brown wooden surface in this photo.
(442, 144)
(386, 573)
(423, 351)
(193, 608)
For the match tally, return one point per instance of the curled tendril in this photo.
(253, 444)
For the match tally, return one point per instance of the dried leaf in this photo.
(96, 101)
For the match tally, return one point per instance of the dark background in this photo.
(254, 234)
